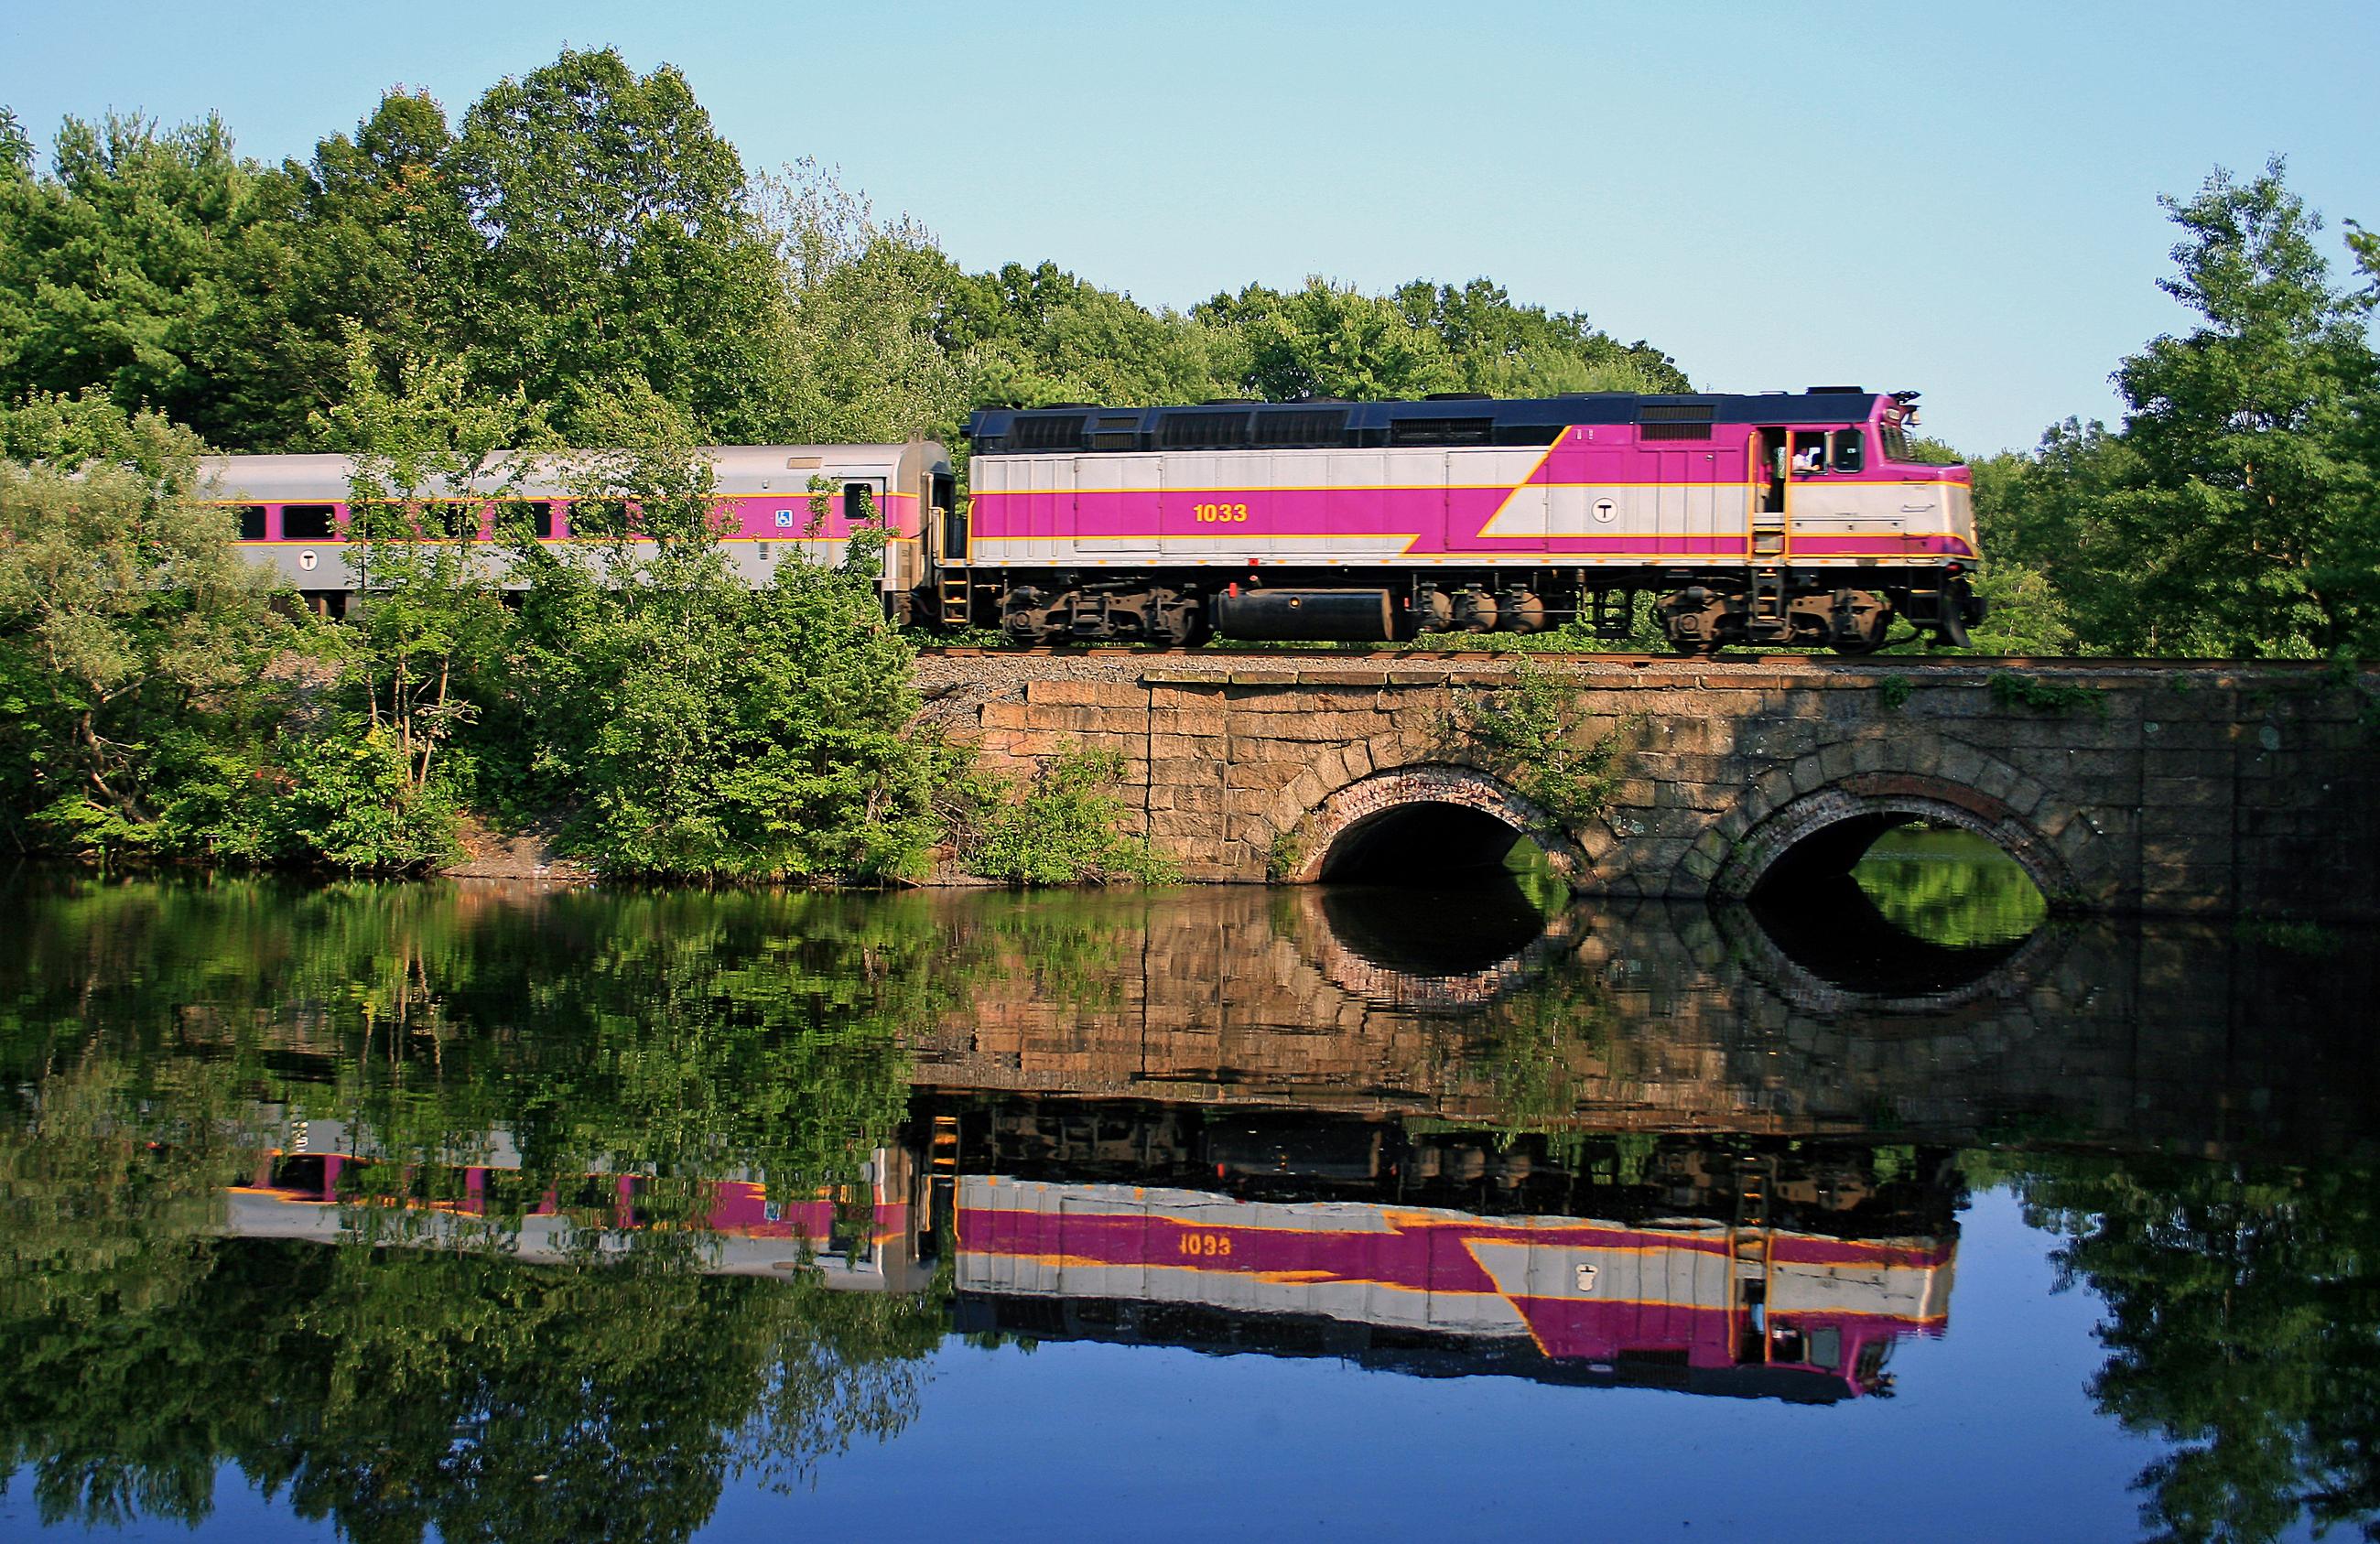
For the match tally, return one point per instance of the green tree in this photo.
(2248, 508)
(427, 462)
(1326, 340)
(112, 269)
(1038, 335)
(133, 639)
(700, 725)
(617, 245)
(862, 361)
(1506, 349)
(370, 236)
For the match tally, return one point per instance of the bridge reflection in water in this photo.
(368, 1149)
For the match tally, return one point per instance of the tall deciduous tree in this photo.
(112, 269)
(2248, 508)
(1325, 340)
(371, 235)
(616, 245)
(131, 635)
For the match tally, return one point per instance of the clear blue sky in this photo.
(1960, 199)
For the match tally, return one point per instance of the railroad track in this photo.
(1490, 656)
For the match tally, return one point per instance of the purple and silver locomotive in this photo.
(1777, 518)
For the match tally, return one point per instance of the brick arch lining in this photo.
(1377, 794)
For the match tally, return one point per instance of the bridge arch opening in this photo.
(1824, 836)
(1423, 843)
(1898, 892)
(1432, 826)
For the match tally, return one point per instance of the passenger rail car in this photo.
(774, 503)
(1777, 518)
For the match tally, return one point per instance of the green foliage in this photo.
(2311, 939)
(1507, 349)
(1533, 733)
(431, 620)
(2011, 689)
(615, 243)
(1950, 888)
(2238, 1326)
(1894, 691)
(1063, 828)
(698, 726)
(2236, 510)
(129, 630)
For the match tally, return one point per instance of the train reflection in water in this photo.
(1715, 1265)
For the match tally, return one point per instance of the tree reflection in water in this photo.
(2242, 1327)
(435, 1372)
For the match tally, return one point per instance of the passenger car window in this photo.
(306, 522)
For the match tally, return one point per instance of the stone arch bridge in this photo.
(2249, 789)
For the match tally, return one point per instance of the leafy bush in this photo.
(1063, 829)
(1533, 733)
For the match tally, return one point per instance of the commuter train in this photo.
(1812, 1317)
(1715, 1272)
(1775, 518)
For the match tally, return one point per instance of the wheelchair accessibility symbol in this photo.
(784, 520)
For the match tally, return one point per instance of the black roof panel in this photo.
(1282, 425)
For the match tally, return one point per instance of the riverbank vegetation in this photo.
(580, 259)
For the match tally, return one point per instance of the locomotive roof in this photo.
(1450, 419)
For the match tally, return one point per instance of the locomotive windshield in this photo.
(1896, 443)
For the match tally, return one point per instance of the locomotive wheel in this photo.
(1872, 624)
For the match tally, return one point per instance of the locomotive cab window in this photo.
(1849, 450)
(1809, 452)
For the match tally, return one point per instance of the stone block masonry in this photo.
(2245, 790)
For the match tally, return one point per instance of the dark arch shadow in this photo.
(1828, 854)
(1823, 924)
(1826, 831)
(1470, 930)
(1419, 844)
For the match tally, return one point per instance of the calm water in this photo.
(1895, 1210)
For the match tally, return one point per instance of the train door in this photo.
(1686, 500)
(1769, 489)
(1491, 503)
(862, 506)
